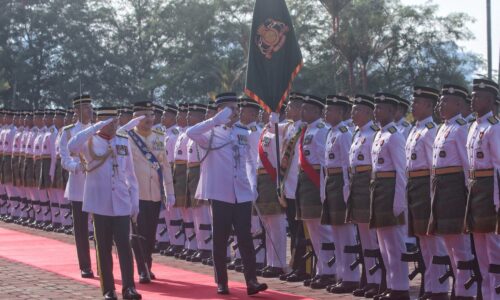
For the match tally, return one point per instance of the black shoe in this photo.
(144, 278)
(381, 295)
(283, 277)
(203, 254)
(298, 277)
(232, 265)
(308, 281)
(195, 254)
(438, 296)
(254, 287)
(87, 273)
(222, 289)
(110, 295)
(210, 262)
(323, 281)
(370, 290)
(239, 268)
(344, 287)
(273, 272)
(152, 275)
(259, 272)
(397, 295)
(131, 293)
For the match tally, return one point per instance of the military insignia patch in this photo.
(480, 155)
(392, 129)
(306, 152)
(175, 131)
(122, 150)
(331, 156)
(375, 127)
(265, 141)
(253, 128)
(442, 154)
(493, 120)
(242, 139)
(414, 156)
(380, 161)
(461, 121)
(271, 36)
(429, 125)
(361, 157)
(343, 129)
(308, 139)
(320, 125)
(405, 124)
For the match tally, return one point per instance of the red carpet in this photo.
(60, 258)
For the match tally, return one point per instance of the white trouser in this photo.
(345, 235)
(430, 246)
(201, 217)
(368, 239)
(275, 226)
(392, 246)
(488, 252)
(173, 215)
(459, 249)
(321, 234)
(187, 217)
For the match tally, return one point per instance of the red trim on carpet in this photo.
(60, 258)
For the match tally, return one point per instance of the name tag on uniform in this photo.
(158, 145)
(242, 139)
(122, 150)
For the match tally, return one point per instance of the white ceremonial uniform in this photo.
(338, 142)
(387, 156)
(483, 149)
(404, 127)
(418, 151)
(3, 193)
(49, 148)
(32, 191)
(8, 142)
(22, 152)
(21, 192)
(64, 203)
(42, 193)
(449, 149)
(360, 155)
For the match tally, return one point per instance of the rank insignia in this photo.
(461, 121)
(253, 128)
(429, 125)
(343, 129)
(414, 156)
(380, 161)
(331, 156)
(242, 139)
(480, 155)
(308, 139)
(361, 157)
(122, 150)
(442, 153)
(320, 125)
(392, 129)
(306, 152)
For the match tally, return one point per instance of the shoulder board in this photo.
(69, 127)
(52, 129)
(461, 121)
(119, 134)
(392, 129)
(343, 129)
(253, 128)
(241, 126)
(158, 132)
(405, 124)
(175, 131)
(493, 120)
(320, 125)
(375, 127)
(472, 120)
(429, 125)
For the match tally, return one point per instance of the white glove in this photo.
(397, 210)
(274, 118)
(97, 126)
(223, 117)
(170, 200)
(134, 218)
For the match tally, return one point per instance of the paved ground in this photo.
(19, 281)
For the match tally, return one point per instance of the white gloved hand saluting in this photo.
(274, 118)
(223, 117)
(99, 125)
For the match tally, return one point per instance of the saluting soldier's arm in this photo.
(77, 142)
(199, 132)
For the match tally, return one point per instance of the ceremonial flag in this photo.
(274, 58)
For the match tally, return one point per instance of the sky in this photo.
(477, 10)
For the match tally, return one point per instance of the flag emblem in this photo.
(271, 36)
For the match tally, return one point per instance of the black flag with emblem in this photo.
(274, 58)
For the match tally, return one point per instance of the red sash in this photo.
(265, 160)
(305, 165)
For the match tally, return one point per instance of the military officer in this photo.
(26, 209)
(450, 168)
(27, 168)
(40, 192)
(418, 151)
(3, 193)
(111, 195)
(483, 152)
(231, 193)
(358, 203)
(7, 141)
(82, 106)
(16, 156)
(400, 117)
(335, 192)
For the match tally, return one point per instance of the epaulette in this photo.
(405, 124)
(52, 129)
(461, 121)
(320, 125)
(241, 126)
(375, 127)
(392, 129)
(119, 134)
(253, 128)
(158, 132)
(68, 127)
(430, 125)
(472, 120)
(175, 131)
(343, 129)
(493, 120)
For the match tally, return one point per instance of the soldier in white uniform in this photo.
(335, 192)
(29, 171)
(358, 203)
(449, 177)
(42, 213)
(74, 188)
(400, 117)
(483, 152)
(230, 192)
(16, 212)
(3, 193)
(26, 210)
(7, 141)
(418, 151)
(111, 195)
